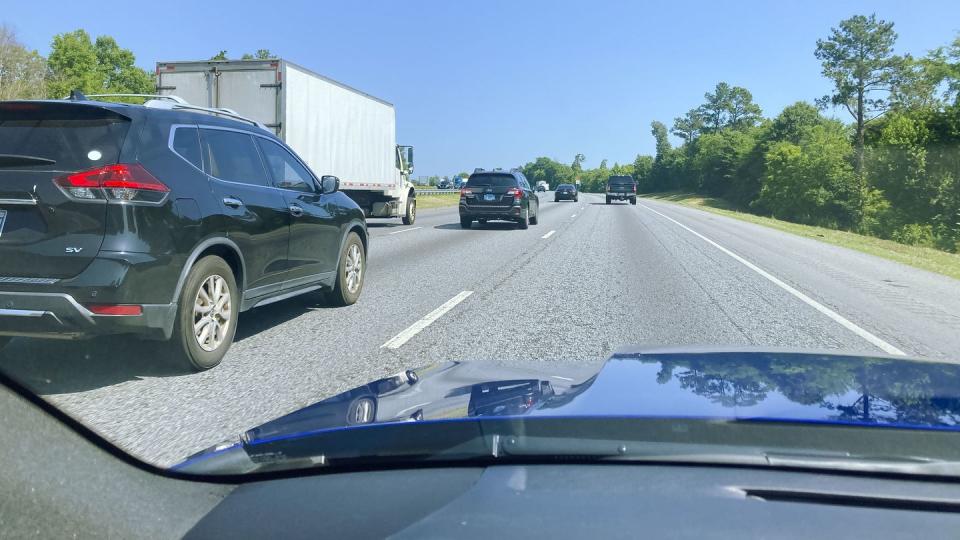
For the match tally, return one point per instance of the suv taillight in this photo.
(115, 183)
(465, 191)
(516, 192)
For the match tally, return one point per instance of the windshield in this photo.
(711, 232)
(492, 180)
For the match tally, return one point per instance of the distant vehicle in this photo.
(459, 182)
(621, 188)
(169, 221)
(543, 186)
(498, 195)
(336, 129)
(566, 192)
(445, 184)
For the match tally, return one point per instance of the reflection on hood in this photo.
(723, 385)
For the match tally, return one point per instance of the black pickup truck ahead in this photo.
(621, 188)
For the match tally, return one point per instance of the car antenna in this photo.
(77, 95)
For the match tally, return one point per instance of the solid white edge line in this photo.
(548, 235)
(573, 216)
(843, 321)
(406, 230)
(398, 340)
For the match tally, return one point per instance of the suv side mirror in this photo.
(329, 184)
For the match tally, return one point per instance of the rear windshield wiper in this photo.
(14, 160)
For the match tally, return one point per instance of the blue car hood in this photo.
(732, 385)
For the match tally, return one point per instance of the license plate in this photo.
(489, 197)
(3, 219)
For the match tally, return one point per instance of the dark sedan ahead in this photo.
(566, 192)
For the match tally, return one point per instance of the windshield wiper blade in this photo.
(15, 160)
(512, 446)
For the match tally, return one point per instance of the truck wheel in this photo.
(608, 200)
(206, 314)
(633, 200)
(411, 216)
(350, 272)
(465, 222)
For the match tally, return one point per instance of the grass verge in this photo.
(926, 258)
(438, 201)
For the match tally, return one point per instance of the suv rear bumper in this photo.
(491, 212)
(60, 316)
(621, 196)
(55, 308)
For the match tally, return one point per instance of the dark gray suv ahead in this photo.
(161, 222)
(498, 195)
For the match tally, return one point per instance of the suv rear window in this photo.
(565, 186)
(75, 137)
(492, 180)
(620, 181)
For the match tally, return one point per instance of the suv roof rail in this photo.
(478, 169)
(167, 101)
(151, 96)
(181, 105)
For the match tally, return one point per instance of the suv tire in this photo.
(536, 216)
(351, 270)
(210, 274)
(524, 222)
(465, 222)
(410, 217)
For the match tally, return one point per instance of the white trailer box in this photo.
(336, 129)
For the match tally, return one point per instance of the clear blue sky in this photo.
(498, 83)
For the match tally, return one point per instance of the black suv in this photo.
(566, 192)
(498, 195)
(160, 222)
(621, 188)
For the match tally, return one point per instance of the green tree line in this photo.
(77, 62)
(891, 171)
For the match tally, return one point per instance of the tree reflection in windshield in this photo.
(859, 390)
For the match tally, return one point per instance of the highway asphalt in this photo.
(587, 280)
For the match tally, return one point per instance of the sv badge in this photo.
(74, 250)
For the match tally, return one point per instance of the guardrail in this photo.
(436, 191)
(440, 191)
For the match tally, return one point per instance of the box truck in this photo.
(336, 129)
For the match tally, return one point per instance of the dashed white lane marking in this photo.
(548, 235)
(415, 328)
(843, 321)
(406, 230)
(573, 216)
